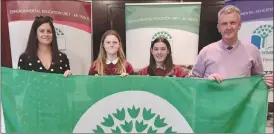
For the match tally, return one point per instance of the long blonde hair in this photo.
(100, 62)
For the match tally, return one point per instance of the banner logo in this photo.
(260, 38)
(61, 39)
(164, 34)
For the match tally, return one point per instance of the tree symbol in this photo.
(59, 32)
(263, 31)
(163, 35)
(145, 124)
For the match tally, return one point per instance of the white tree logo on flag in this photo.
(125, 112)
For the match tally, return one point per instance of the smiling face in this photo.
(111, 44)
(159, 52)
(229, 25)
(44, 34)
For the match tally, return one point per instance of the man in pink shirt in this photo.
(229, 57)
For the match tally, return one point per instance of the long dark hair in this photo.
(168, 63)
(32, 45)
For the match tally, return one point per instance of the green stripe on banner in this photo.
(164, 16)
(43, 102)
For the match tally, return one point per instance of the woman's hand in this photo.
(67, 73)
(124, 74)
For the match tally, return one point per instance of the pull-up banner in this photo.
(178, 22)
(72, 21)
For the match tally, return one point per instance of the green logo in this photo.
(138, 120)
(162, 34)
(123, 113)
(166, 35)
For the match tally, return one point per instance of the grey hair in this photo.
(228, 10)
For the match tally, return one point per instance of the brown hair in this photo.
(32, 45)
(168, 63)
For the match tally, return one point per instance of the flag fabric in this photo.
(43, 102)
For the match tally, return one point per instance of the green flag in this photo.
(43, 102)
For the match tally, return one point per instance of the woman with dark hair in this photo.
(161, 63)
(42, 54)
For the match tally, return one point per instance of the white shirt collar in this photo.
(113, 62)
(160, 67)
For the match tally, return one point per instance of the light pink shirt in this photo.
(241, 61)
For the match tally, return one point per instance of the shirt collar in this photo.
(113, 62)
(225, 46)
(161, 67)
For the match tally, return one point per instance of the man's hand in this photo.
(216, 77)
(268, 79)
